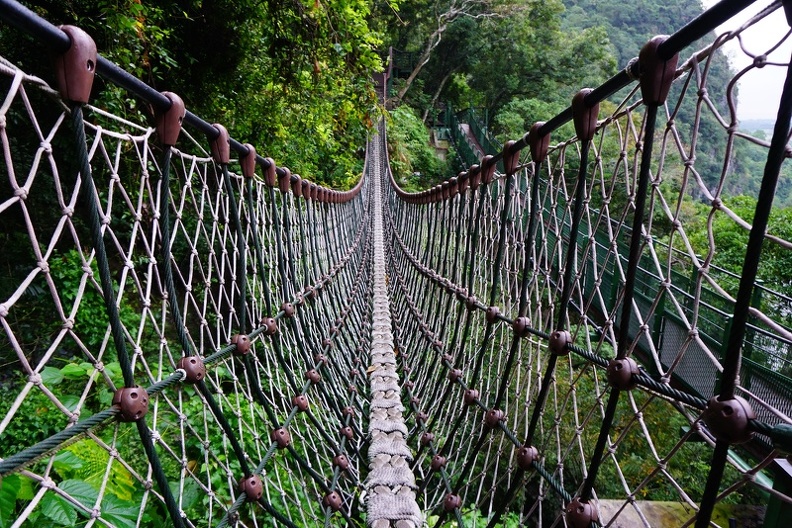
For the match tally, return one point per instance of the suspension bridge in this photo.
(195, 336)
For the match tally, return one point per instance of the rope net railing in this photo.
(574, 352)
(185, 336)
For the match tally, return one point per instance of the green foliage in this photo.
(413, 160)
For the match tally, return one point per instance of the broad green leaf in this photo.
(81, 491)
(9, 490)
(120, 513)
(58, 509)
(73, 371)
(51, 376)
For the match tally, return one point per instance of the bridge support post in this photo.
(778, 511)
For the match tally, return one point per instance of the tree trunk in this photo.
(434, 40)
(436, 95)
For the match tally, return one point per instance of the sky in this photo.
(759, 89)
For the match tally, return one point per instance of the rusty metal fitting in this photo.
(448, 357)
(539, 144)
(580, 514)
(313, 375)
(347, 432)
(301, 402)
(451, 502)
(314, 192)
(453, 189)
(288, 309)
(438, 462)
(310, 293)
(242, 343)
(511, 157)
(281, 437)
(620, 373)
(488, 167)
(559, 341)
(321, 359)
(306, 189)
(327, 343)
(415, 400)
(270, 173)
(76, 67)
(445, 190)
(248, 162)
(471, 302)
(470, 397)
(194, 369)
(270, 326)
(252, 487)
(454, 375)
(728, 420)
(521, 325)
(341, 462)
(221, 145)
(132, 402)
(352, 389)
(333, 501)
(409, 384)
(427, 438)
(422, 417)
(464, 180)
(437, 344)
(296, 185)
(461, 294)
(525, 457)
(493, 417)
(348, 411)
(474, 172)
(284, 180)
(584, 117)
(492, 314)
(656, 74)
(169, 122)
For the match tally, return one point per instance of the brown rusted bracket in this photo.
(581, 514)
(521, 326)
(287, 309)
(656, 74)
(491, 314)
(270, 174)
(621, 373)
(488, 167)
(341, 462)
(270, 326)
(511, 157)
(306, 189)
(301, 402)
(493, 417)
(526, 456)
(284, 180)
(76, 67)
(169, 122)
(281, 437)
(438, 462)
(474, 175)
(427, 438)
(242, 343)
(194, 369)
(252, 487)
(221, 145)
(539, 144)
(248, 163)
(451, 502)
(132, 402)
(584, 116)
(333, 501)
(559, 342)
(728, 420)
(296, 185)
(470, 397)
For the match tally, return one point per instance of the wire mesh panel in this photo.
(589, 353)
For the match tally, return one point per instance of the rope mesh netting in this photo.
(189, 342)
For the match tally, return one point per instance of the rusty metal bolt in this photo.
(581, 514)
(454, 375)
(409, 384)
(415, 400)
(348, 411)
(620, 373)
(327, 343)
(341, 462)
(333, 330)
(422, 417)
(314, 376)
(462, 294)
(449, 358)
(438, 462)
(252, 487)
(347, 432)
(521, 326)
(427, 438)
(281, 437)
(352, 388)
(287, 309)
(470, 397)
(310, 293)
(353, 373)
(301, 402)
(242, 343)
(451, 502)
(471, 303)
(333, 501)
(321, 359)
(194, 369)
(558, 342)
(133, 403)
(492, 314)
(493, 417)
(437, 344)
(728, 420)
(270, 326)
(526, 456)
